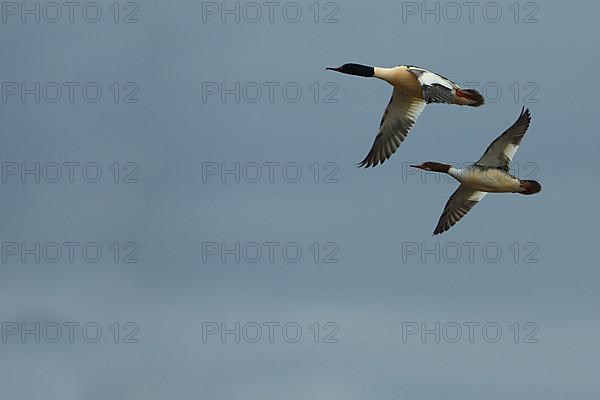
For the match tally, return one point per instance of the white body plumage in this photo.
(491, 180)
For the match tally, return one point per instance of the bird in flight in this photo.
(488, 175)
(414, 87)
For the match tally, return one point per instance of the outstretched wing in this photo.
(501, 151)
(398, 117)
(458, 205)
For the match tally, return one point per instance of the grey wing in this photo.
(437, 93)
(501, 151)
(435, 88)
(458, 205)
(398, 117)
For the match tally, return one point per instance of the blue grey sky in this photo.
(362, 301)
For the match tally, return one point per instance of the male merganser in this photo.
(488, 175)
(414, 87)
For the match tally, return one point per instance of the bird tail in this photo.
(469, 97)
(530, 187)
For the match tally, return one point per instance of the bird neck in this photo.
(386, 74)
(457, 173)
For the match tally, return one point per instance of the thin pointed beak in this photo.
(416, 166)
(332, 69)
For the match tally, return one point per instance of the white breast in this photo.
(486, 180)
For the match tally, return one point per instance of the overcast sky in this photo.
(174, 170)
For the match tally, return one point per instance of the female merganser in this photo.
(414, 87)
(488, 175)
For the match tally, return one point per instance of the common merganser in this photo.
(414, 87)
(488, 175)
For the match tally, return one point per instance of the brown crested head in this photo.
(433, 167)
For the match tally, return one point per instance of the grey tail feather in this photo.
(530, 187)
(474, 96)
